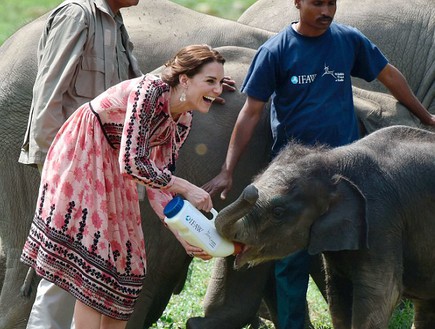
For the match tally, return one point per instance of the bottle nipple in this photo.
(238, 248)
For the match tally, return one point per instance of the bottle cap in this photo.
(238, 247)
(173, 207)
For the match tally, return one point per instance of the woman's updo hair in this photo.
(189, 60)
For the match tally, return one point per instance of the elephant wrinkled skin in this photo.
(368, 207)
(158, 28)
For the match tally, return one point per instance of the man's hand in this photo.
(227, 85)
(430, 121)
(221, 183)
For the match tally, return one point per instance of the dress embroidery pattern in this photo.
(86, 234)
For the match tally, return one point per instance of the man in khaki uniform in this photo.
(84, 49)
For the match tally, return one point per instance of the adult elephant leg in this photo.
(233, 297)
(167, 265)
(424, 314)
(18, 189)
(169, 283)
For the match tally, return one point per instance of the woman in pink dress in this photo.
(86, 235)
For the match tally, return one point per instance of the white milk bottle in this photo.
(197, 229)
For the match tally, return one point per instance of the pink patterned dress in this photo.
(86, 235)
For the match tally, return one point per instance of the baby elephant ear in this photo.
(344, 226)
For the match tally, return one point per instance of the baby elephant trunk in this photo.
(227, 217)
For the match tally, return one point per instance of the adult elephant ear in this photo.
(344, 226)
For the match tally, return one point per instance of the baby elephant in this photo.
(369, 207)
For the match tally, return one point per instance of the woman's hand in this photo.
(192, 251)
(199, 198)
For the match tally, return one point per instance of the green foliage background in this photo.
(16, 13)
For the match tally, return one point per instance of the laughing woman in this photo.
(86, 235)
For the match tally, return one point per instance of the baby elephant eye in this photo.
(278, 212)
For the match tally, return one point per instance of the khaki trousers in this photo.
(53, 308)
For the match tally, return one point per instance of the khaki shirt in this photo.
(84, 49)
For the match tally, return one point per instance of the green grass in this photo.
(230, 9)
(14, 14)
(189, 303)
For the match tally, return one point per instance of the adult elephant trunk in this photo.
(227, 219)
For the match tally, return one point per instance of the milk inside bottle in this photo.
(197, 229)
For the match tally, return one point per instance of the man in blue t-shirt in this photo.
(306, 70)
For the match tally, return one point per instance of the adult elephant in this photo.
(158, 29)
(368, 207)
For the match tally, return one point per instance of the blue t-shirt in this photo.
(309, 80)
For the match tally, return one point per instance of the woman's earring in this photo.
(183, 97)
